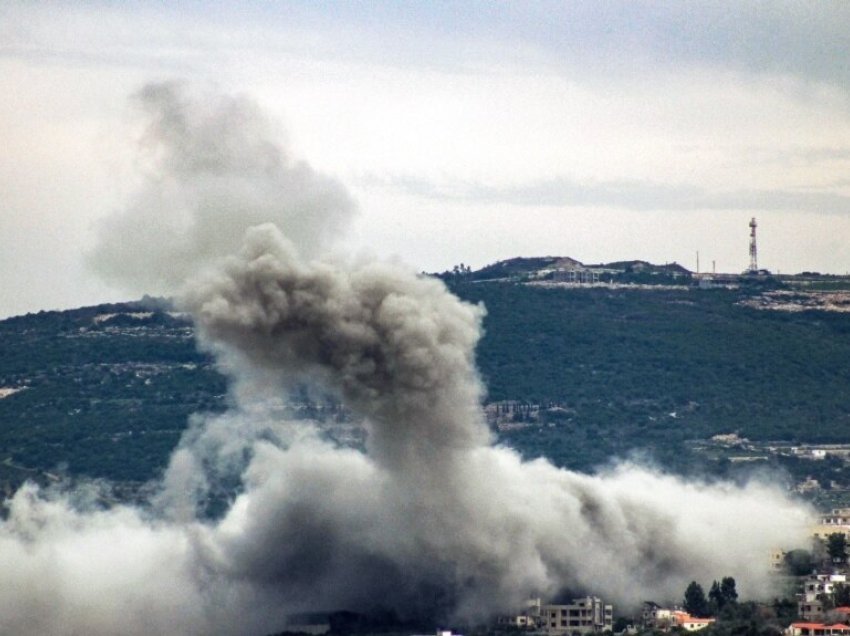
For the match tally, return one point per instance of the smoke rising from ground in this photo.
(431, 517)
(212, 167)
(436, 505)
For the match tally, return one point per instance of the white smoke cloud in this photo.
(213, 167)
(431, 518)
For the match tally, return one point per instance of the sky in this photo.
(463, 131)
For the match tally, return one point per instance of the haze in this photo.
(470, 131)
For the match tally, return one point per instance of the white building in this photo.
(815, 588)
(661, 618)
(693, 624)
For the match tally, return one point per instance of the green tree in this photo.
(695, 602)
(836, 546)
(722, 594)
(728, 591)
(715, 598)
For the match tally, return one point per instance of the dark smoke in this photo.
(431, 519)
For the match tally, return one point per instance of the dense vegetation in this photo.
(101, 397)
(109, 389)
(651, 369)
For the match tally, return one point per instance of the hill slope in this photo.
(576, 374)
(637, 368)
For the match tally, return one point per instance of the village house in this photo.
(692, 623)
(816, 589)
(654, 616)
(817, 629)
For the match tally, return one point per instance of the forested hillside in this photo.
(584, 373)
(102, 391)
(638, 368)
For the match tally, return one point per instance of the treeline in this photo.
(721, 595)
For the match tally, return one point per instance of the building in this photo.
(528, 618)
(816, 588)
(577, 274)
(694, 624)
(649, 614)
(656, 617)
(837, 521)
(588, 615)
(817, 629)
(777, 561)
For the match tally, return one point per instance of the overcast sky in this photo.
(465, 132)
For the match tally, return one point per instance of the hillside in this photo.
(630, 369)
(101, 391)
(579, 374)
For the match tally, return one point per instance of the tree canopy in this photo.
(695, 602)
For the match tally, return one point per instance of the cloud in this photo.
(627, 194)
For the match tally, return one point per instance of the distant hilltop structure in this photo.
(754, 267)
(567, 271)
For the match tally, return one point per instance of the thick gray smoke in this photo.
(212, 167)
(432, 504)
(430, 517)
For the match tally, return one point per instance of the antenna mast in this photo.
(753, 253)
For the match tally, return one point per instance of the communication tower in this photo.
(754, 267)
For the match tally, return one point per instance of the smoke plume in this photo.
(433, 504)
(212, 167)
(431, 518)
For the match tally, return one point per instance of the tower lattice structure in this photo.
(754, 267)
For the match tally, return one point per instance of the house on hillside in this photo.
(817, 629)
(816, 589)
(694, 624)
(582, 275)
(656, 617)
